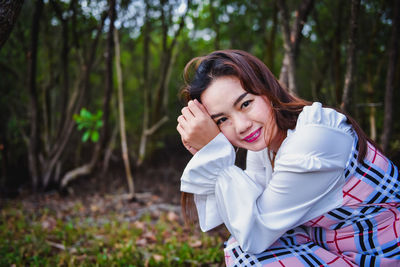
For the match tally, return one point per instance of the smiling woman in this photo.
(316, 191)
(241, 117)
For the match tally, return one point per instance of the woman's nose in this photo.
(242, 123)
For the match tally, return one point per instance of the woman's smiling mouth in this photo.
(253, 136)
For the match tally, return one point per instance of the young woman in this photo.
(316, 191)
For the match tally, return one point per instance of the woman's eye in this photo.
(221, 120)
(245, 103)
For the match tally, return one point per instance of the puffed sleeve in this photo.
(258, 167)
(202, 171)
(200, 175)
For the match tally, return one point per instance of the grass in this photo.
(44, 235)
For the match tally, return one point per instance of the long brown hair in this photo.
(257, 79)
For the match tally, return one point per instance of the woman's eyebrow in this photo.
(216, 115)
(234, 104)
(240, 98)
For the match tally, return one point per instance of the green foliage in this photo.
(90, 123)
(46, 238)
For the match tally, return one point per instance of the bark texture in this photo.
(33, 145)
(390, 78)
(291, 40)
(351, 57)
(124, 146)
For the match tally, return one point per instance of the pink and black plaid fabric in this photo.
(364, 231)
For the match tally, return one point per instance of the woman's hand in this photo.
(196, 127)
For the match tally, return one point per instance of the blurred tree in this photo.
(351, 57)
(9, 11)
(323, 47)
(270, 39)
(213, 15)
(54, 158)
(393, 56)
(33, 145)
(156, 103)
(124, 146)
(104, 134)
(291, 39)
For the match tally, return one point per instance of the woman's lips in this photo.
(253, 136)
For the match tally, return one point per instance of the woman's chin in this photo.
(252, 147)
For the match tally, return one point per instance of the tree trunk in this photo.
(109, 74)
(390, 78)
(287, 75)
(88, 168)
(372, 70)
(372, 122)
(146, 94)
(75, 104)
(161, 102)
(351, 57)
(81, 170)
(337, 54)
(125, 155)
(9, 11)
(109, 149)
(65, 64)
(291, 41)
(33, 145)
(270, 56)
(3, 158)
(216, 24)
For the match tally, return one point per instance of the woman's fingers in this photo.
(202, 108)
(181, 120)
(187, 113)
(180, 130)
(195, 109)
(196, 127)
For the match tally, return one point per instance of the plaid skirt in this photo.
(364, 231)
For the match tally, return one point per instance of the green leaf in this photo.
(86, 136)
(99, 124)
(95, 136)
(85, 113)
(76, 117)
(99, 114)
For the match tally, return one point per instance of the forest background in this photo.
(90, 89)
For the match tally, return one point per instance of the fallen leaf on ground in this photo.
(150, 236)
(195, 243)
(139, 225)
(158, 257)
(172, 216)
(49, 223)
(141, 242)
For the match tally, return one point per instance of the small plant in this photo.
(90, 123)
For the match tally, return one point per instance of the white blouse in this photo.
(259, 205)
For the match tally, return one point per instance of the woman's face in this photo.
(245, 119)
